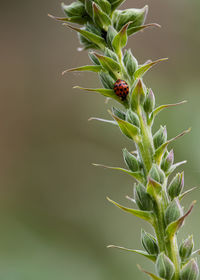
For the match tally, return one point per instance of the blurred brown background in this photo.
(55, 221)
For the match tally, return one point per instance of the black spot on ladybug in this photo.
(121, 89)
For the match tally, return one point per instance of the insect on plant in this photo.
(103, 31)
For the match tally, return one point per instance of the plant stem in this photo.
(146, 145)
(160, 228)
(173, 254)
(146, 150)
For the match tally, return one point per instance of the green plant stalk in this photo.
(170, 247)
(174, 255)
(106, 30)
(146, 146)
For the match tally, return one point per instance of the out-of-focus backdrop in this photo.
(55, 222)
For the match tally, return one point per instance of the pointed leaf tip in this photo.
(135, 29)
(105, 92)
(102, 120)
(90, 68)
(153, 276)
(181, 196)
(144, 68)
(145, 215)
(60, 18)
(51, 16)
(140, 252)
(136, 175)
(157, 110)
(97, 40)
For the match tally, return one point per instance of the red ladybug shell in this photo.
(121, 89)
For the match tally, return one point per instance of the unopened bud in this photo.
(186, 248)
(176, 185)
(137, 16)
(132, 118)
(111, 54)
(167, 161)
(130, 63)
(173, 212)
(142, 198)
(130, 161)
(160, 137)
(190, 271)
(93, 58)
(149, 103)
(118, 113)
(154, 174)
(149, 243)
(164, 267)
(106, 80)
(157, 174)
(74, 9)
(111, 33)
(100, 18)
(162, 175)
(88, 44)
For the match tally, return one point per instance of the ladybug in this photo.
(121, 89)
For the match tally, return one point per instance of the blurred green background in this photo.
(55, 220)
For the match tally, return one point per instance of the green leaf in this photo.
(105, 92)
(159, 152)
(74, 19)
(135, 29)
(140, 252)
(130, 130)
(100, 18)
(145, 215)
(137, 175)
(174, 166)
(120, 40)
(181, 196)
(109, 64)
(153, 276)
(174, 226)
(144, 68)
(91, 68)
(160, 108)
(102, 120)
(99, 41)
